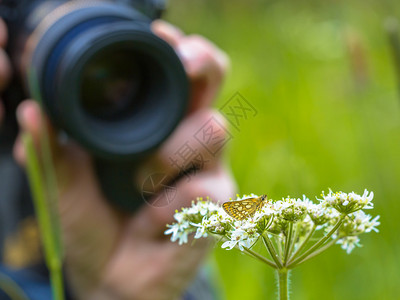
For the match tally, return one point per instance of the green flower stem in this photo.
(45, 216)
(278, 243)
(319, 243)
(288, 242)
(315, 253)
(294, 239)
(304, 243)
(283, 276)
(51, 189)
(260, 257)
(271, 250)
(57, 283)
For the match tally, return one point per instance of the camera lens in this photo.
(106, 79)
(111, 84)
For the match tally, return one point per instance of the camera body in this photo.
(102, 77)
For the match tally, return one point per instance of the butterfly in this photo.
(245, 208)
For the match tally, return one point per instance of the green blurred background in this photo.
(322, 77)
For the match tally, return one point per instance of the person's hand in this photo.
(111, 255)
(5, 70)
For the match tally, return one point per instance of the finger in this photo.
(31, 120)
(196, 144)
(5, 69)
(3, 33)
(167, 32)
(205, 65)
(216, 183)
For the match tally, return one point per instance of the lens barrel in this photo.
(106, 79)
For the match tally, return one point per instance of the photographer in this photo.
(114, 255)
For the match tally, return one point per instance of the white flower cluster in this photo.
(278, 219)
(188, 220)
(353, 225)
(348, 203)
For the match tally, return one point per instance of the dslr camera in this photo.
(103, 78)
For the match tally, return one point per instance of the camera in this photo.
(103, 78)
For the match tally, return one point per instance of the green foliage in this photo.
(321, 76)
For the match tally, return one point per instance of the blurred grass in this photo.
(321, 76)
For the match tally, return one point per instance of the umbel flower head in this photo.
(291, 223)
(348, 203)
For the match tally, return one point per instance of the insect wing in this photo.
(242, 209)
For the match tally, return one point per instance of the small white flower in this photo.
(349, 243)
(179, 232)
(321, 214)
(178, 216)
(201, 232)
(307, 202)
(237, 235)
(291, 209)
(372, 225)
(201, 228)
(229, 245)
(173, 229)
(357, 223)
(240, 238)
